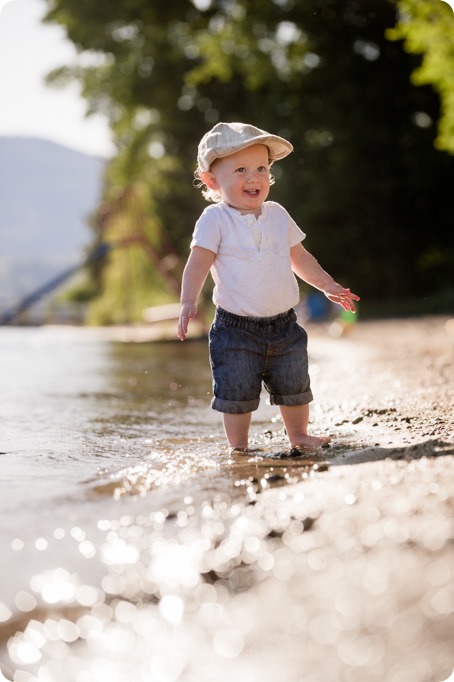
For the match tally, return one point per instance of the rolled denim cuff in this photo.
(235, 406)
(292, 400)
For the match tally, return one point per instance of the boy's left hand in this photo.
(344, 297)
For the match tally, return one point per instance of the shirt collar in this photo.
(237, 214)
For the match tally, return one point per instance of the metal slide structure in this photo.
(13, 313)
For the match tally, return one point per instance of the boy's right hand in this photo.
(188, 311)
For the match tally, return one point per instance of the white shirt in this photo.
(252, 270)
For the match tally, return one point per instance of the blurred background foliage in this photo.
(364, 89)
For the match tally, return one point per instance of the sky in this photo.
(30, 49)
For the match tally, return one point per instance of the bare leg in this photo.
(236, 428)
(296, 420)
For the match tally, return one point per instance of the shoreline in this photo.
(337, 575)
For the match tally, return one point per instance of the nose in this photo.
(252, 176)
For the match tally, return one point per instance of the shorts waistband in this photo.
(255, 323)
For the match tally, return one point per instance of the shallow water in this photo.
(85, 421)
(76, 409)
(134, 550)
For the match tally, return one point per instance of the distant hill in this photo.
(47, 193)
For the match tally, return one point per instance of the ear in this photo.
(209, 179)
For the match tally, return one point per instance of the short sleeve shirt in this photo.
(252, 271)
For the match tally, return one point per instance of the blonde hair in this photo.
(207, 193)
(213, 194)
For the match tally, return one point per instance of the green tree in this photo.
(368, 182)
(427, 28)
(364, 182)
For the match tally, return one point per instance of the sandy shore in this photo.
(336, 575)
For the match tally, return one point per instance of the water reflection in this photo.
(150, 384)
(161, 372)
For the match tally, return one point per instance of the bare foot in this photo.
(239, 451)
(307, 441)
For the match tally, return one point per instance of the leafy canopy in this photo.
(365, 181)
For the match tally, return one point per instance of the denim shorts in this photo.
(248, 352)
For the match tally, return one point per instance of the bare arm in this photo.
(194, 277)
(308, 269)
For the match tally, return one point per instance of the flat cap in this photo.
(227, 138)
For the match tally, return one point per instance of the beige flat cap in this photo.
(227, 138)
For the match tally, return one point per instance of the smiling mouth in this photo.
(252, 192)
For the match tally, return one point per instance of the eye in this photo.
(241, 169)
(262, 169)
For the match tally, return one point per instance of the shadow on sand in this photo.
(430, 448)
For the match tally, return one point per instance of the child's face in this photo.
(242, 179)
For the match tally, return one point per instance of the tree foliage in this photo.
(364, 182)
(427, 28)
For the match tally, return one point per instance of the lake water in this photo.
(133, 549)
(80, 413)
(77, 410)
(97, 433)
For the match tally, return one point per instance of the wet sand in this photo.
(303, 574)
